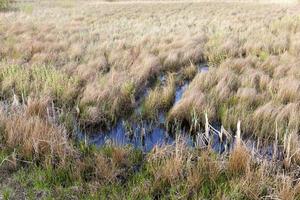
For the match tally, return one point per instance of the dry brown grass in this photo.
(189, 72)
(248, 176)
(104, 169)
(287, 190)
(205, 169)
(239, 160)
(168, 163)
(255, 182)
(30, 130)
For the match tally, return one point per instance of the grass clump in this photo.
(189, 72)
(39, 81)
(159, 99)
(30, 132)
(239, 160)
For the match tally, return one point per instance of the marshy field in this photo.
(149, 99)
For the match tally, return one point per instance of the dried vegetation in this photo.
(92, 61)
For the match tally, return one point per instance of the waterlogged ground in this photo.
(142, 134)
(159, 125)
(98, 63)
(146, 135)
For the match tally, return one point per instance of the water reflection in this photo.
(144, 135)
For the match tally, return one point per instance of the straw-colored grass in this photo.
(159, 99)
(105, 62)
(92, 61)
(29, 130)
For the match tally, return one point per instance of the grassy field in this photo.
(93, 63)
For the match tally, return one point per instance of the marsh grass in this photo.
(159, 99)
(235, 91)
(250, 63)
(94, 60)
(189, 72)
(239, 160)
(39, 82)
(29, 130)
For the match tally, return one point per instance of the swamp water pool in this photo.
(146, 135)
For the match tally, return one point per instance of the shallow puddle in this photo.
(179, 91)
(203, 68)
(266, 151)
(143, 135)
(146, 135)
